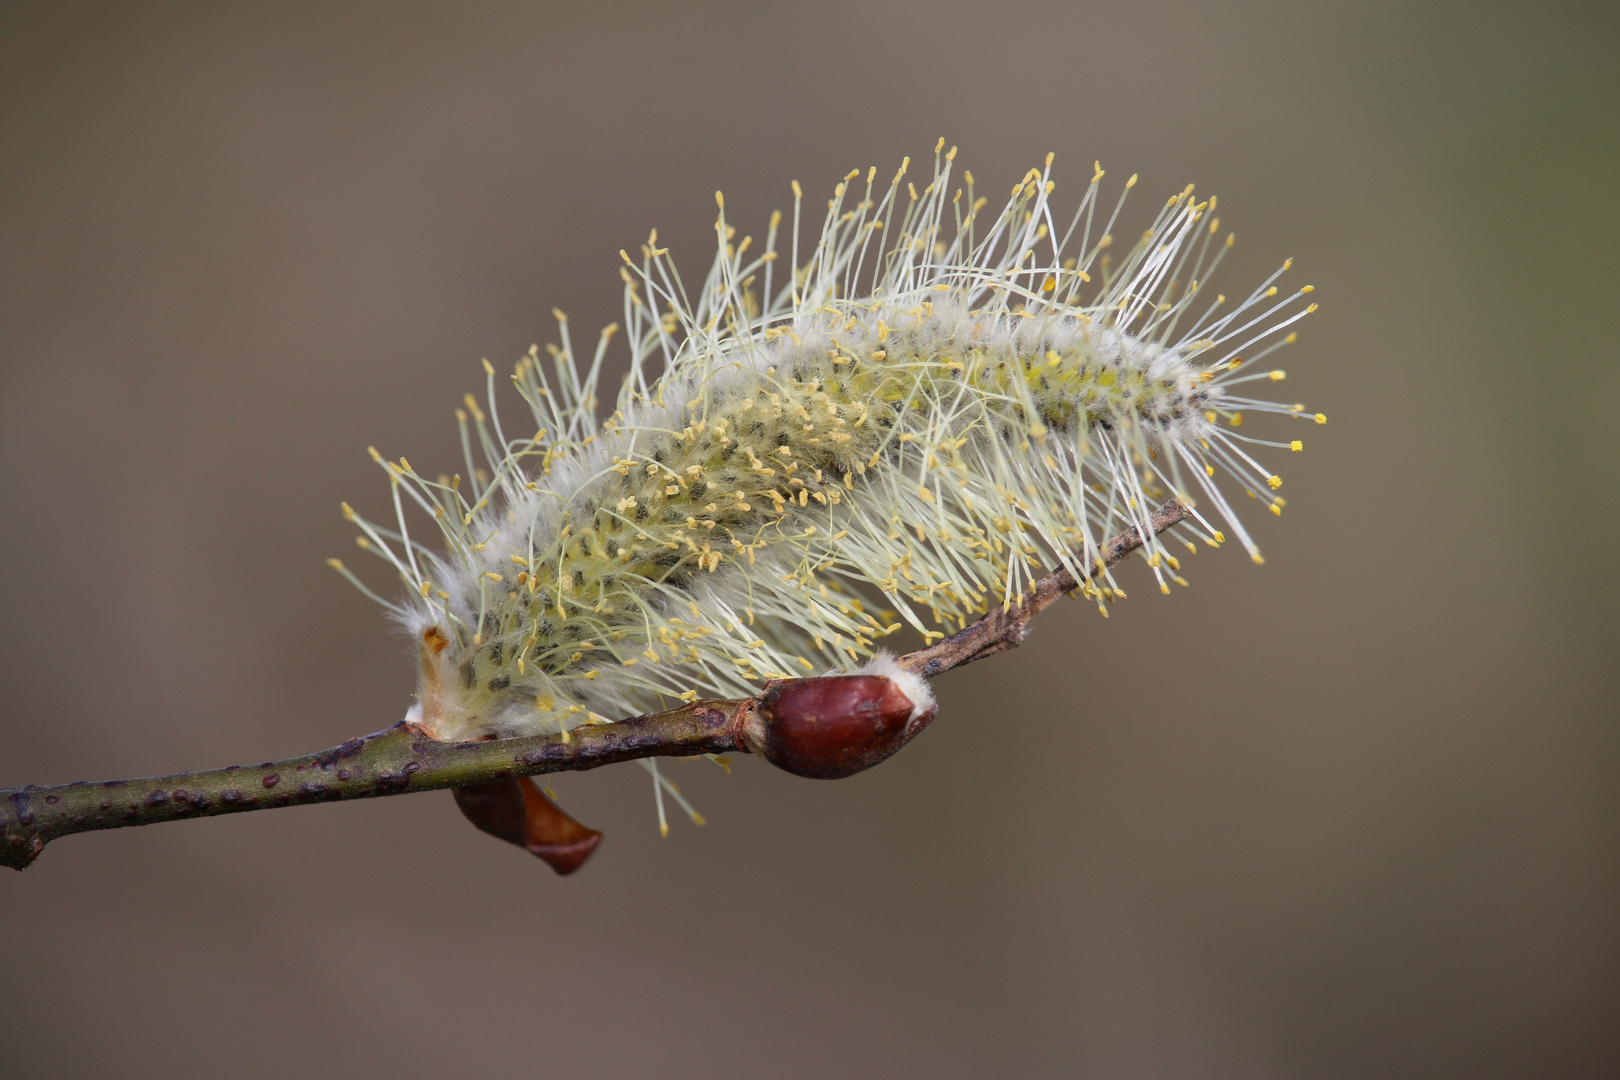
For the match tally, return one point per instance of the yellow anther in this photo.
(1320, 418)
(1296, 445)
(1274, 481)
(1278, 376)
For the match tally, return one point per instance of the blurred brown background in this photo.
(1352, 814)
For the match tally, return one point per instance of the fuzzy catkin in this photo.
(933, 406)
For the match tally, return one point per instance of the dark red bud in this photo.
(834, 726)
(518, 812)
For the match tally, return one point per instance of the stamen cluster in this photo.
(935, 407)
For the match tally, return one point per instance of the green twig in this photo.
(395, 761)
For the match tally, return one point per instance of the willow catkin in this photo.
(936, 405)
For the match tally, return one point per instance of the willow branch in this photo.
(403, 759)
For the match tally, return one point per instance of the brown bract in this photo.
(518, 812)
(834, 726)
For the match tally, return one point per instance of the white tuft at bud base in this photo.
(914, 687)
(927, 403)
